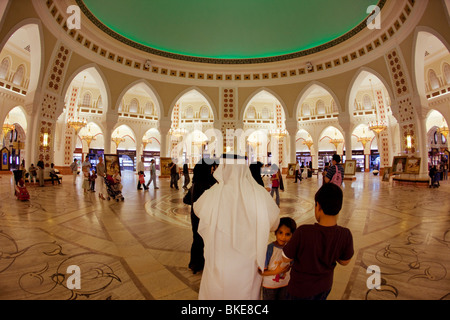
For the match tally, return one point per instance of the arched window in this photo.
(134, 105)
(18, 76)
(204, 112)
(87, 100)
(333, 107)
(149, 108)
(320, 107)
(189, 112)
(446, 73)
(265, 113)
(4, 68)
(306, 110)
(99, 102)
(433, 79)
(251, 113)
(367, 102)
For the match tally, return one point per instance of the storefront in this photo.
(127, 160)
(149, 155)
(304, 157)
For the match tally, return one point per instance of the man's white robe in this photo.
(236, 217)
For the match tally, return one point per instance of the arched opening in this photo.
(192, 116)
(437, 142)
(85, 100)
(430, 59)
(14, 131)
(316, 108)
(139, 102)
(151, 147)
(90, 141)
(23, 52)
(331, 141)
(365, 149)
(124, 145)
(304, 146)
(370, 106)
(265, 129)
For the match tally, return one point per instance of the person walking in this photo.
(297, 172)
(173, 175)
(187, 179)
(315, 249)
(74, 168)
(335, 168)
(101, 174)
(41, 167)
(152, 175)
(141, 170)
(277, 185)
(33, 173)
(202, 180)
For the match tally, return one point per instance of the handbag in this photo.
(189, 196)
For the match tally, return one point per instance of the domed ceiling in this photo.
(230, 31)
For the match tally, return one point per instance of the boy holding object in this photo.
(276, 272)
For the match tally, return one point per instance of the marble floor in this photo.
(139, 248)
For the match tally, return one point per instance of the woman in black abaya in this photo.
(201, 181)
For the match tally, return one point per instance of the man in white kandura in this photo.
(236, 217)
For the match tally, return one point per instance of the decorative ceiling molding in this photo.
(182, 72)
(170, 55)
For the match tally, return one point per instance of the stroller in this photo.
(20, 191)
(113, 188)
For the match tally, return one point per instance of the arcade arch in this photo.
(264, 125)
(192, 116)
(14, 136)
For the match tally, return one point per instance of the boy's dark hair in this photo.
(337, 158)
(288, 222)
(329, 197)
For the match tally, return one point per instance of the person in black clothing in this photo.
(255, 169)
(434, 183)
(201, 181)
(187, 179)
(173, 175)
(53, 174)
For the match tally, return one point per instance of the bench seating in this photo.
(411, 179)
(47, 178)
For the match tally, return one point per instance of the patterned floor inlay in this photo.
(139, 248)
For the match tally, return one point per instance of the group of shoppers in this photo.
(232, 216)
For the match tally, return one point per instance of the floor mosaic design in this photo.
(139, 248)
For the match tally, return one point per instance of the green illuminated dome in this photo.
(229, 29)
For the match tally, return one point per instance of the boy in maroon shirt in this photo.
(316, 248)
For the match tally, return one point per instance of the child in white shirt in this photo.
(276, 273)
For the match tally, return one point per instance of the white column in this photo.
(164, 127)
(292, 128)
(348, 144)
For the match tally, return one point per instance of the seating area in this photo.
(47, 178)
(411, 179)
